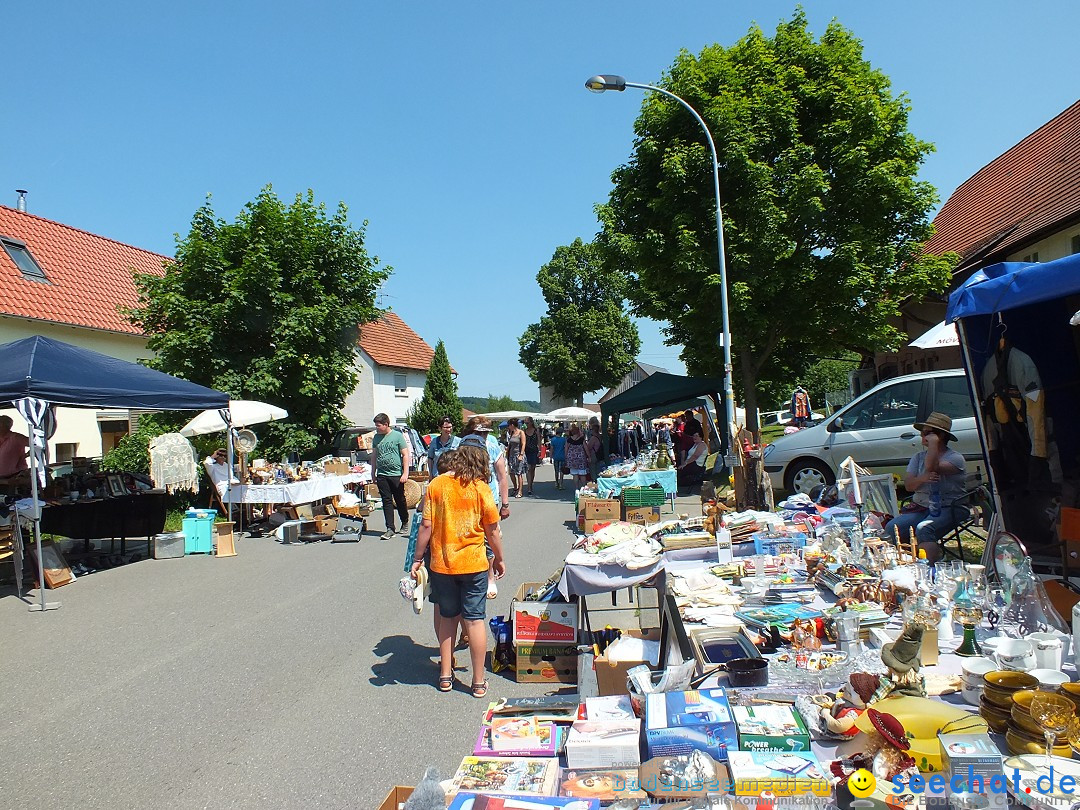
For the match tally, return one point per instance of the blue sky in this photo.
(461, 131)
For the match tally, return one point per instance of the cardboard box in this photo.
(326, 524)
(603, 744)
(395, 799)
(552, 622)
(682, 722)
(641, 514)
(601, 509)
(782, 774)
(770, 728)
(611, 675)
(372, 492)
(974, 757)
(546, 663)
(336, 468)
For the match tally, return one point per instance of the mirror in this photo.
(1006, 555)
(836, 425)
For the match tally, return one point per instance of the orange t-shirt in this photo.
(458, 513)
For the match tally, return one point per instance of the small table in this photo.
(141, 515)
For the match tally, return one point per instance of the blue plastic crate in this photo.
(778, 545)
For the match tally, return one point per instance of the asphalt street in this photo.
(287, 676)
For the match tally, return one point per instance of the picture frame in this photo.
(878, 493)
(56, 569)
(115, 483)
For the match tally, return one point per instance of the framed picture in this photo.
(115, 483)
(57, 571)
(878, 493)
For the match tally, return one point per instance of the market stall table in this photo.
(128, 516)
(612, 487)
(313, 489)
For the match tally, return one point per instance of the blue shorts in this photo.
(460, 594)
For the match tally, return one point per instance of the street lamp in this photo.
(598, 84)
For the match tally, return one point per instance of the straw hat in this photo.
(938, 421)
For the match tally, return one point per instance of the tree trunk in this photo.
(750, 399)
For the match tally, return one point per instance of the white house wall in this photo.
(78, 426)
(375, 392)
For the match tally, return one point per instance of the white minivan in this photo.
(876, 430)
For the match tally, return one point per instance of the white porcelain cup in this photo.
(1016, 654)
(1050, 678)
(1049, 650)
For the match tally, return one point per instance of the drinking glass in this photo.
(1053, 713)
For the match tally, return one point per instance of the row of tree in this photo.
(824, 222)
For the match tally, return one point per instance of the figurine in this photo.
(851, 701)
(903, 662)
(884, 755)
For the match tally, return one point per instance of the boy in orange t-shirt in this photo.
(459, 517)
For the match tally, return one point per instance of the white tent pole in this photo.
(37, 523)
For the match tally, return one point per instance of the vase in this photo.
(969, 604)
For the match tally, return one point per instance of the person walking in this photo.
(577, 457)
(594, 449)
(515, 457)
(460, 520)
(558, 455)
(392, 461)
(446, 440)
(532, 451)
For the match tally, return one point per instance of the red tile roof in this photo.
(1029, 190)
(89, 275)
(390, 342)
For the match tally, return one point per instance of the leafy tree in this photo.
(504, 403)
(440, 397)
(268, 308)
(824, 219)
(586, 341)
(827, 375)
(132, 452)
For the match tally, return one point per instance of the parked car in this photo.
(766, 418)
(876, 430)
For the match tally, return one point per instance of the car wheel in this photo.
(806, 474)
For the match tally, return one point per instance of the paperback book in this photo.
(551, 738)
(526, 775)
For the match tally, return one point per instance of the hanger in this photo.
(1004, 328)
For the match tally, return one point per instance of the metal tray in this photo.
(718, 645)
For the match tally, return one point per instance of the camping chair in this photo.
(972, 512)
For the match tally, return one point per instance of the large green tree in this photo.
(440, 397)
(586, 341)
(824, 218)
(267, 307)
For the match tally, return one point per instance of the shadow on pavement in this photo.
(408, 662)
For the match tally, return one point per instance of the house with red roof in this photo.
(65, 283)
(393, 362)
(1022, 206)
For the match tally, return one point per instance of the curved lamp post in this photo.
(598, 84)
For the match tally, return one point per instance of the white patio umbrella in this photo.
(245, 412)
(937, 337)
(570, 412)
(512, 415)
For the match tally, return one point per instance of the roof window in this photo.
(23, 259)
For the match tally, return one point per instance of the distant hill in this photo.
(479, 405)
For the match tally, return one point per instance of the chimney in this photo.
(20, 204)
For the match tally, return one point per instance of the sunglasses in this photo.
(928, 432)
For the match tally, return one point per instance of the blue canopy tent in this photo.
(39, 373)
(1025, 308)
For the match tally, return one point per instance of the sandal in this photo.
(446, 683)
(480, 690)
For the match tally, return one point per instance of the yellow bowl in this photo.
(1022, 700)
(1022, 721)
(1071, 691)
(1001, 685)
(922, 720)
(1023, 744)
(997, 719)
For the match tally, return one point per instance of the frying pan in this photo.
(741, 672)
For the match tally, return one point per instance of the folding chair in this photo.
(972, 512)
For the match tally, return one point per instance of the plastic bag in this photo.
(503, 656)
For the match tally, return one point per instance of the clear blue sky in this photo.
(461, 131)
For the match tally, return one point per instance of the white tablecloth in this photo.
(313, 489)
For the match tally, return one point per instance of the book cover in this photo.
(777, 615)
(531, 776)
(552, 708)
(604, 744)
(782, 774)
(604, 784)
(514, 733)
(551, 739)
(488, 801)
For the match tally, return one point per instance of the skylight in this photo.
(23, 259)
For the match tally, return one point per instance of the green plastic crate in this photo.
(643, 496)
